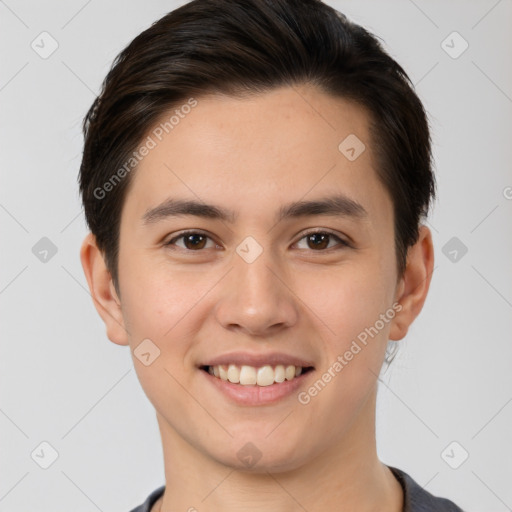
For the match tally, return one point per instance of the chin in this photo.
(261, 455)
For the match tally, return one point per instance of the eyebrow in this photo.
(337, 205)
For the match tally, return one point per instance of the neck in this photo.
(346, 477)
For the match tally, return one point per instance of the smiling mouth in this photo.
(256, 376)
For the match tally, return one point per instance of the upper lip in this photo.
(257, 360)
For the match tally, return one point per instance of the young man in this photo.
(255, 175)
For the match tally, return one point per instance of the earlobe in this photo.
(102, 291)
(413, 287)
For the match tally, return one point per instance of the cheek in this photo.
(162, 307)
(348, 307)
(346, 301)
(156, 300)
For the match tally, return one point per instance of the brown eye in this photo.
(319, 240)
(192, 240)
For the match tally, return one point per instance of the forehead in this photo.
(257, 151)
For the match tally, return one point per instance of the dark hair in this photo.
(241, 47)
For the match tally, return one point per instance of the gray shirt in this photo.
(416, 499)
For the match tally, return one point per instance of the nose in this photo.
(256, 298)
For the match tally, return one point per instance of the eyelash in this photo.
(342, 242)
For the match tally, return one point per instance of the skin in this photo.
(253, 155)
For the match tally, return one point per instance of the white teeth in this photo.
(233, 374)
(279, 373)
(223, 371)
(250, 376)
(289, 372)
(247, 375)
(265, 376)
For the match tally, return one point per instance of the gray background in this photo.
(64, 382)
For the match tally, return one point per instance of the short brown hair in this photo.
(247, 47)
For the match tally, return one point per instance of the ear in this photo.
(102, 290)
(413, 286)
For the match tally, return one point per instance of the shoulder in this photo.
(417, 499)
(150, 501)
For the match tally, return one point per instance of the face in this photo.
(253, 280)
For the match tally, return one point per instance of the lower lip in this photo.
(257, 395)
